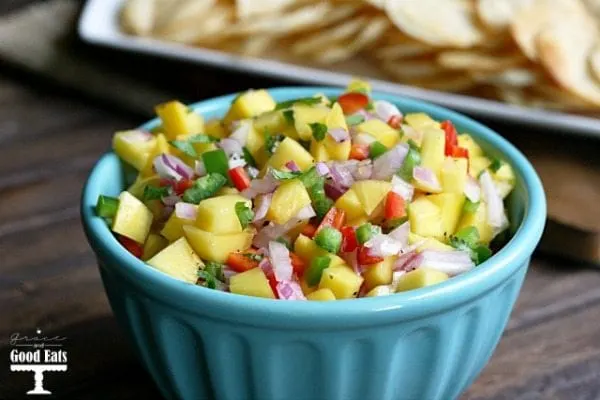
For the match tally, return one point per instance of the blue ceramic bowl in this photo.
(426, 344)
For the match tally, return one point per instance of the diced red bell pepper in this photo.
(240, 178)
(352, 102)
(298, 264)
(349, 241)
(395, 121)
(242, 261)
(181, 186)
(132, 246)
(394, 206)
(460, 152)
(309, 230)
(334, 218)
(364, 258)
(359, 151)
(451, 137)
(272, 282)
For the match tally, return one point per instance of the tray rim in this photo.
(98, 26)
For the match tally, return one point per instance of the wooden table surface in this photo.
(49, 140)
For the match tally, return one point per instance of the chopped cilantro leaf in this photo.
(215, 269)
(319, 130)
(283, 175)
(155, 192)
(248, 157)
(185, 147)
(495, 165)
(302, 100)
(244, 214)
(201, 138)
(289, 116)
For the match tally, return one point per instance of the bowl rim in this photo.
(411, 304)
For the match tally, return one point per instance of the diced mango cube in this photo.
(289, 198)
(162, 147)
(478, 164)
(432, 149)
(383, 290)
(468, 143)
(133, 219)
(177, 119)
(215, 128)
(379, 274)
(305, 115)
(350, 203)
(178, 260)
(324, 294)
(140, 183)
(342, 281)
(217, 214)
(154, 244)
(319, 151)
(420, 121)
(357, 85)
(478, 219)
(289, 150)
(212, 247)
(134, 147)
(381, 131)
(420, 277)
(249, 104)
(274, 122)
(454, 174)
(427, 243)
(173, 228)
(371, 193)
(451, 205)
(425, 218)
(251, 283)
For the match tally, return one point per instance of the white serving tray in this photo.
(99, 25)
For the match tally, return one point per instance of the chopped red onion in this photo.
(386, 110)
(400, 234)
(199, 168)
(352, 260)
(383, 245)
(230, 146)
(495, 206)
(236, 160)
(228, 273)
(306, 212)
(136, 136)
(265, 265)
(339, 134)
(292, 166)
(364, 170)
(385, 166)
(334, 191)
(322, 168)
(280, 259)
(268, 184)
(253, 172)
(427, 178)
(240, 133)
(289, 290)
(363, 138)
(185, 210)
(451, 262)
(402, 188)
(169, 166)
(262, 206)
(407, 261)
(341, 175)
(472, 190)
(170, 200)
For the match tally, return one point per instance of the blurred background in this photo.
(69, 79)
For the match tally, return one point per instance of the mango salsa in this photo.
(309, 198)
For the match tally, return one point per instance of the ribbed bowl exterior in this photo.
(194, 356)
(425, 344)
